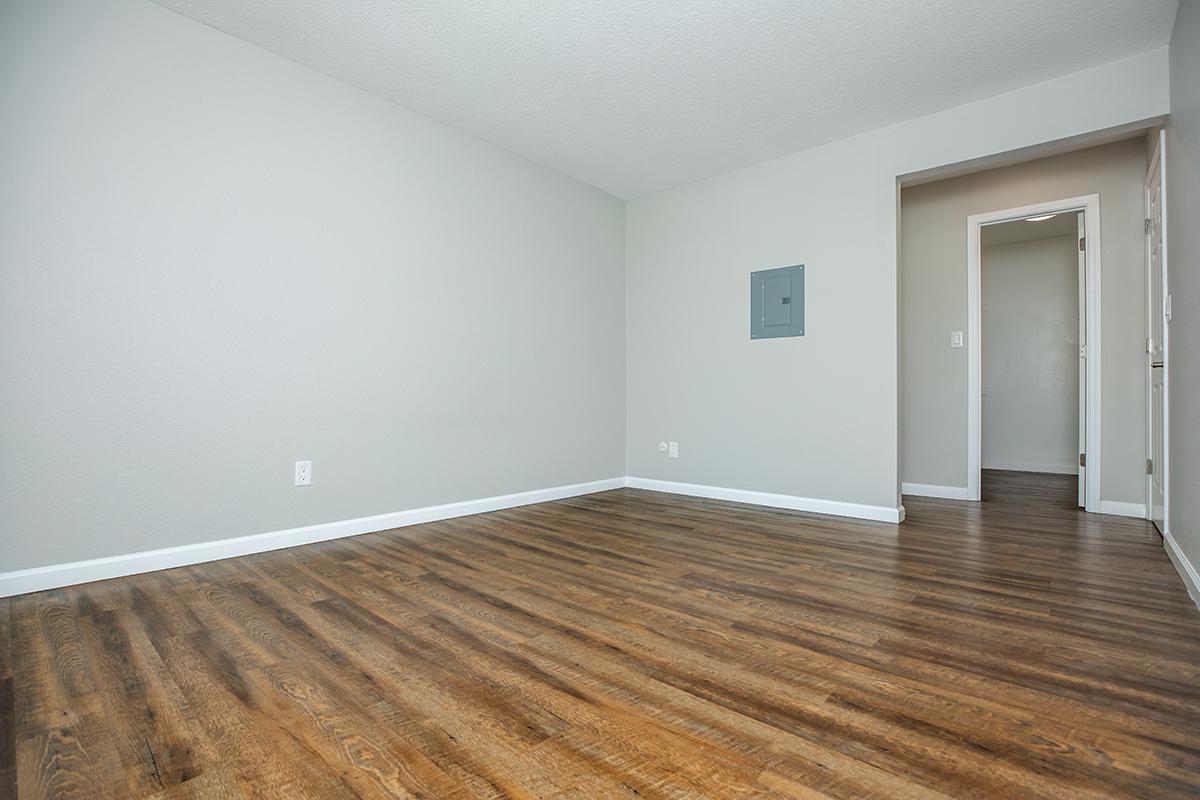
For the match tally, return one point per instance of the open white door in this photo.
(1157, 316)
(1081, 231)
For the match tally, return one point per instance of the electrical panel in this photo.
(777, 302)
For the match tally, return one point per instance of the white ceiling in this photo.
(1022, 230)
(634, 96)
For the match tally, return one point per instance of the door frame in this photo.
(1090, 206)
(1159, 161)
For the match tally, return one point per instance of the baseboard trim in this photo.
(55, 576)
(1191, 578)
(834, 507)
(1123, 509)
(933, 490)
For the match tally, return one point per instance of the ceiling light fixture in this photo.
(1042, 218)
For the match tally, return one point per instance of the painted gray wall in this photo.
(1030, 354)
(214, 262)
(1183, 221)
(934, 289)
(816, 416)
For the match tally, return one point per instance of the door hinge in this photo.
(1083, 459)
(1149, 466)
(1147, 226)
(1081, 241)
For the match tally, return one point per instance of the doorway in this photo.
(1033, 319)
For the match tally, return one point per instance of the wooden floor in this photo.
(630, 645)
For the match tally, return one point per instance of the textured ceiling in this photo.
(635, 96)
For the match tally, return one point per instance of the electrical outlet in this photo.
(956, 339)
(303, 473)
(674, 449)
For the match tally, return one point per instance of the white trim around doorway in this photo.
(1090, 206)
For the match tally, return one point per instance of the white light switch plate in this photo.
(956, 339)
(674, 450)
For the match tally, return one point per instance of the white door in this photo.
(1081, 229)
(1156, 337)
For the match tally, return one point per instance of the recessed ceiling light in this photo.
(1042, 218)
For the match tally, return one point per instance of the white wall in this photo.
(214, 262)
(1030, 354)
(1183, 230)
(934, 240)
(814, 416)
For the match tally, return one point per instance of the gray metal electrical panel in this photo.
(777, 302)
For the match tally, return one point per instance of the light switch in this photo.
(956, 338)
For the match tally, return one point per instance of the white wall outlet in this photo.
(956, 339)
(303, 473)
(662, 447)
(673, 449)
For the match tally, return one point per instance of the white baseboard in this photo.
(834, 507)
(1029, 466)
(96, 569)
(58, 575)
(933, 490)
(1185, 568)
(1123, 509)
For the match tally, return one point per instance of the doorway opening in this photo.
(1033, 279)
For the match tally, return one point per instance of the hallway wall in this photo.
(1030, 355)
(1183, 212)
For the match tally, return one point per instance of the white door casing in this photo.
(1157, 335)
(1081, 232)
(1089, 390)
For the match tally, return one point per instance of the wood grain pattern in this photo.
(628, 644)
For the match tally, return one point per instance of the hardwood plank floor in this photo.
(628, 644)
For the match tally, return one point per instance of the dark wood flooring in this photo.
(628, 645)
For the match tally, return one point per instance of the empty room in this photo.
(599, 400)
